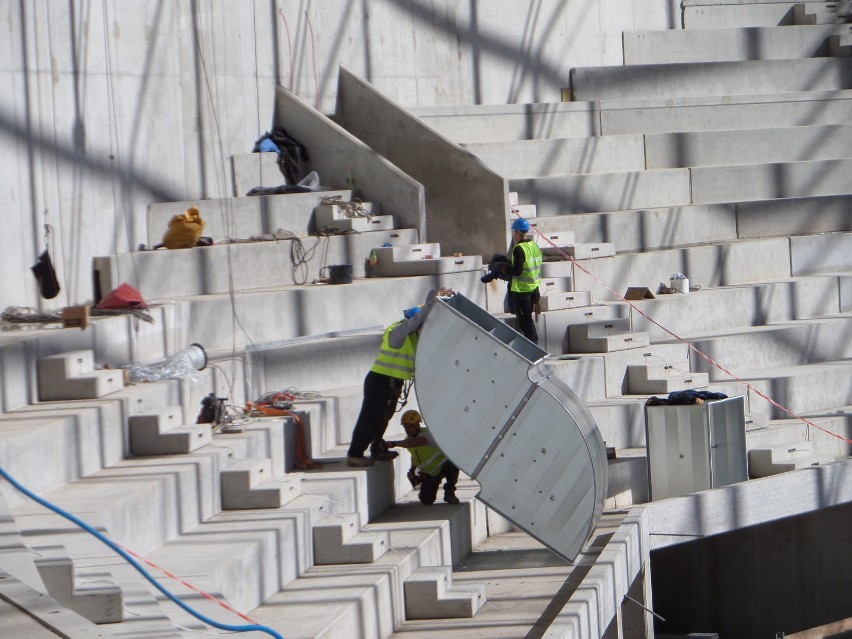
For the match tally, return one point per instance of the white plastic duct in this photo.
(498, 412)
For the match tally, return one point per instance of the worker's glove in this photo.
(414, 478)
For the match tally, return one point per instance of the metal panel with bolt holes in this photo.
(497, 411)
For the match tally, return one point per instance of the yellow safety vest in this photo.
(427, 458)
(395, 362)
(530, 276)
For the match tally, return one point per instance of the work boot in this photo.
(450, 497)
(379, 452)
(359, 461)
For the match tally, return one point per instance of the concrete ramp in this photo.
(501, 415)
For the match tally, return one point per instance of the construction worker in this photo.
(384, 383)
(428, 464)
(526, 277)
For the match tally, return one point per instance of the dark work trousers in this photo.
(381, 394)
(429, 487)
(524, 305)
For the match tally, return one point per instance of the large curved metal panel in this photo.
(499, 414)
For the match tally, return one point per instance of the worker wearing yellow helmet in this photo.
(428, 464)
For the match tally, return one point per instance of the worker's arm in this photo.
(408, 442)
(397, 336)
(518, 258)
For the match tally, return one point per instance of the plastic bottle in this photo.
(373, 261)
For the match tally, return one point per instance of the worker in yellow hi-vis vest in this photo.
(428, 464)
(526, 277)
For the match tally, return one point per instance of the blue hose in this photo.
(134, 563)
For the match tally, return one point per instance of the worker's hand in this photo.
(391, 443)
(446, 292)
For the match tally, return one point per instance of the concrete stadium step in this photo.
(802, 389)
(594, 192)
(652, 379)
(823, 253)
(721, 113)
(822, 12)
(739, 183)
(748, 146)
(694, 79)
(727, 44)
(627, 478)
(776, 345)
(338, 539)
(359, 216)
(828, 436)
(430, 594)
(565, 299)
(841, 45)
(421, 259)
(794, 216)
(212, 316)
(243, 217)
(561, 156)
(242, 266)
(164, 433)
(765, 462)
(249, 484)
(100, 604)
(255, 169)
(72, 375)
(604, 337)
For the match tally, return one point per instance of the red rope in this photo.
(684, 341)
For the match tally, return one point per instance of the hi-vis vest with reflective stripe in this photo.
(394, 362)
(530, 277)
(427, 458)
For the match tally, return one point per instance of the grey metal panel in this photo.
(499, 414)
(728, 454)
(678, 450)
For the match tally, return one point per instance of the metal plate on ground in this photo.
(498, 413)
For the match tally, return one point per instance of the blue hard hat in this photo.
(521, 225)
(411, 312)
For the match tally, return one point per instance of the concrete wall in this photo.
(111, 106)
(466, 202)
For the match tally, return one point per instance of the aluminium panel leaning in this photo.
(497, 411)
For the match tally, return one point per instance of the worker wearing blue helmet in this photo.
(526, 277)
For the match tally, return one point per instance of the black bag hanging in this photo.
(46, 276)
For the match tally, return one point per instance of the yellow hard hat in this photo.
(411, 417)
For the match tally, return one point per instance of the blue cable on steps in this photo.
(134, 563)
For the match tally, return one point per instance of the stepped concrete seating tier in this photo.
(841, 45)
(367, 218)
(728, 45)
(720, 113)
(244, 217)
(699, 14)
(72, 375)
(693, 79)
(99, 603)
(339, 540)
(429, 594)
(248, 484)
(822, 12)
(206, 270)
(163, 433)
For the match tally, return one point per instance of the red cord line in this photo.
(684, 341)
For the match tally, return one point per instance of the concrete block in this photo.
(558, 195)
(551, 242)
(720, 16)
(552, 285)
(801, 389)
(794, 216)
(164, 433)
(763, 462)
(840, 45)
(771, 180)
(825, 253)
(822, 12)
(99, 603)
(247, 484)
(561, 156)
(339, 540)
(255, 169)
(72, 375)
(627, 479)
(726, 44)
(421, 259)
(362, 224)
(588, 251)
(695, 79)
(845, 286)
(429, 594)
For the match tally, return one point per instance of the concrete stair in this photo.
(605, 337)
(338, 540)
(840, 45)
(99, 603)
(822, 13)
(763, 462)
(72, 375)
(248, 484)
(653, 379)
(430, 594)
(421, 259)
(163, 433)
